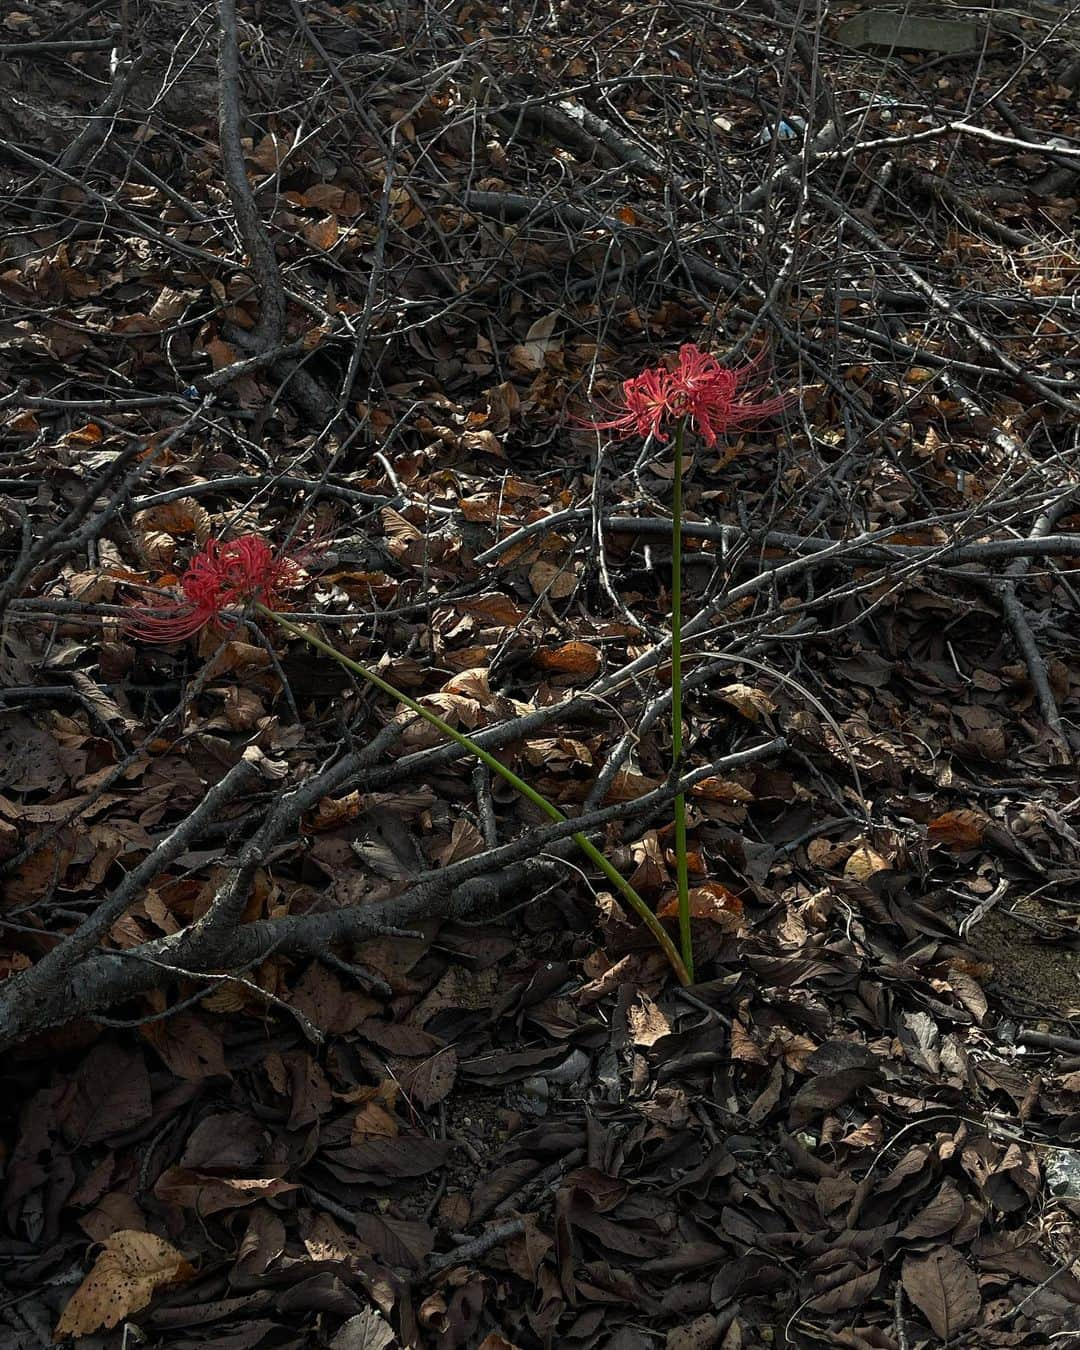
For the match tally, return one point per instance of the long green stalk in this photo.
(682, 880)
(496, 766)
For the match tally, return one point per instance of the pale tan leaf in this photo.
(645, 1022)
(721, 790)
(397, 527)
(530, 354)
(128, 1270)
(749, 701)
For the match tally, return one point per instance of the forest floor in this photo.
(309, 1037)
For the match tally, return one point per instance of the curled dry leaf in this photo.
(530, 354)
(749, 701)
(183, 516)
(572, 658)
(129, 1269)
(957, 829)
(711, 901)
(864, 862)
(721, 790)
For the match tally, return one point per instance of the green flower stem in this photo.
(496, 766)
(682, 881)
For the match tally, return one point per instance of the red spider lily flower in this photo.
(714, 398)
(718, 399)
(646, 406)
(221, 577)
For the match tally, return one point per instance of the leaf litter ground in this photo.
(510, 1128)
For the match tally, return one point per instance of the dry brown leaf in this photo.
(721, 790)
(957, 829)
(221, 354)
(397, 527)
(188, 1045)
(493, 609)
(628, 786)
(743, 1045)
(711, 901)
(208, 1194)
(323, 234)
(945, 1290)
(465, 841)
(645, 1021)
(572, 658)
(430, 1080)
(89, 434)
(329, 197)
(270, 153)
(485, 441)
(129, 1269)
(467, 658)
(557, 581)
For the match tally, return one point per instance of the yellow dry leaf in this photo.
(373, 1119)
(864, 862)
(129, 1269)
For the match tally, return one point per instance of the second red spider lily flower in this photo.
(714, 398)
(223, 577)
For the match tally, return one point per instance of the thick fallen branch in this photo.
(71, 987)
